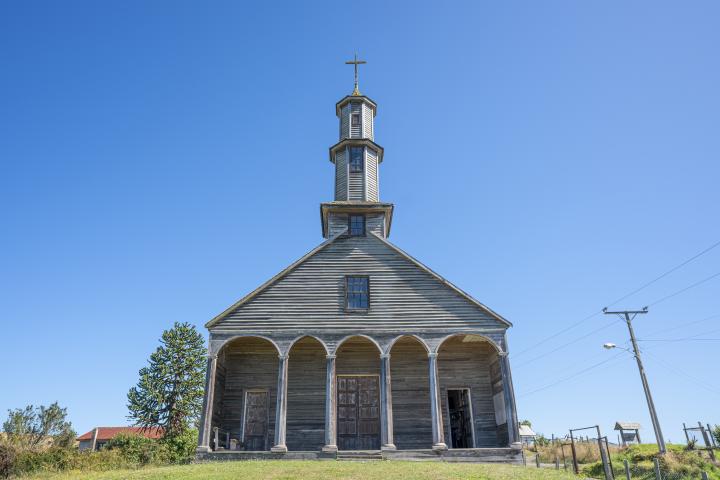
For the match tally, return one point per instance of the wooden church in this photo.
(357, 348)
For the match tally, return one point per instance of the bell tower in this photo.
(356, 209)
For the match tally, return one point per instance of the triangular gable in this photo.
(389, 245)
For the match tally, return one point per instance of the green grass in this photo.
(320, 470)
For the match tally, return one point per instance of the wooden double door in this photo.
(358, 412)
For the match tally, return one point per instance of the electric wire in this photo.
(681, 373)
(572, 376)
(666, 297)
(633, 292)
(684, 325)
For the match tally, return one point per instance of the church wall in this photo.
(467, 365)
(250, 363)
(371, 174)
(306, 396)
(337, 223)
(497, 391)
(345, 122)
(375, 223)
(341, 171)
(403, 297)
(358, 356)
(410, 395)
(367, 117)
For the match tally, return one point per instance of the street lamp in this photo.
(626, 315)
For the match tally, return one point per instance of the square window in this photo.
(357, 293)
(356, 225)
(356, 159)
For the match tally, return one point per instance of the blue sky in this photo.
(159, 160)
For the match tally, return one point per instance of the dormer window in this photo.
(356, 159)
(356, 225)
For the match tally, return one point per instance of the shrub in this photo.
(138, 449)
(7, 460)
(181, 448)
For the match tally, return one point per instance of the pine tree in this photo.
(169, 393)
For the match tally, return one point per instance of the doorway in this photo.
(256, 419)
(358, 412)
(461, 421)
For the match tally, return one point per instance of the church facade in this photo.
(357, 346)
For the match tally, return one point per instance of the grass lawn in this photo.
(320, 470)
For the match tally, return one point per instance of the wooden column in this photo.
(281, 408)
(435, 412)
(206, 416)
(330, 407)
(386, 415)
(509, 397)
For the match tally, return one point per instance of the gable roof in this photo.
(107, 433)
(526, 431)
(627, 426)
(322, 246)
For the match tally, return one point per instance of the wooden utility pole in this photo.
(628, 316)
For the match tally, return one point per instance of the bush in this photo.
(7, 460)
(181, 448)
(138, 449)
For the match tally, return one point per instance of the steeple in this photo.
(357, 159)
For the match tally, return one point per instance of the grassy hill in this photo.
(320, 470)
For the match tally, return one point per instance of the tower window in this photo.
(356, 159)
(356, 225)
(355, 120)
(357, 293)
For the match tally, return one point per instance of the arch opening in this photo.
(410, 382)
(305, 428)
(471, 392)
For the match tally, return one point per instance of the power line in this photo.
(564, 345)
(692, 337)
(642, 287)
(684, 325)
(574, 375)
(685, 289)
(695, 380)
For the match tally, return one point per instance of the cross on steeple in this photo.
(356, 62)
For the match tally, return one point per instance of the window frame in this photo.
(356, 168)
(364, 225)
(347, 305)
(353, 116)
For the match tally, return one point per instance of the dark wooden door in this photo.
(256, 421)
(358, 416)
(460, 418)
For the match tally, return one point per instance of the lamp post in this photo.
(626, 315)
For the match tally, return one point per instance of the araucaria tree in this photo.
(169, 393)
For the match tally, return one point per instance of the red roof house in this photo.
(96, 438)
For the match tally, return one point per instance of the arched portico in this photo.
(306, 384)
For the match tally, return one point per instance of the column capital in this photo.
(503, 354)
(212, 356)
(283, 357)
(331, 356)
(432, 354)
(384, 355)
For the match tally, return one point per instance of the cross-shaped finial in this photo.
(356, 62)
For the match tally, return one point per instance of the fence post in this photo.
(574, 454)
(524, 459)
(557, 463)
(537, 460)
(704, 475)
(626, 464)
(712, 437)
(707, 434)
(658, 474)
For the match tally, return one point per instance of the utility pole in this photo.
(629, 316)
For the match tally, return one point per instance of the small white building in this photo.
(527, 435)
(629, 432)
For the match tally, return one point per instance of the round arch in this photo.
(414, 337)
(358, 335)
(301, 337)
(238, 337)
(484, 338)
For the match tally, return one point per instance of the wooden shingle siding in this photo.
(371, 173)
(345, 122)
(356, 185)
(410, 395)
(497, 388)
(466, 365)
(306, 396)
(341, 171)
(337, 223)
(376, 223)
(250, 363)
(358, 356)
(402, 296)
(356, 130)
(368, 121)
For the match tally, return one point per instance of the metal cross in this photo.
(356, 62)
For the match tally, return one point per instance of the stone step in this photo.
(359, 455)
